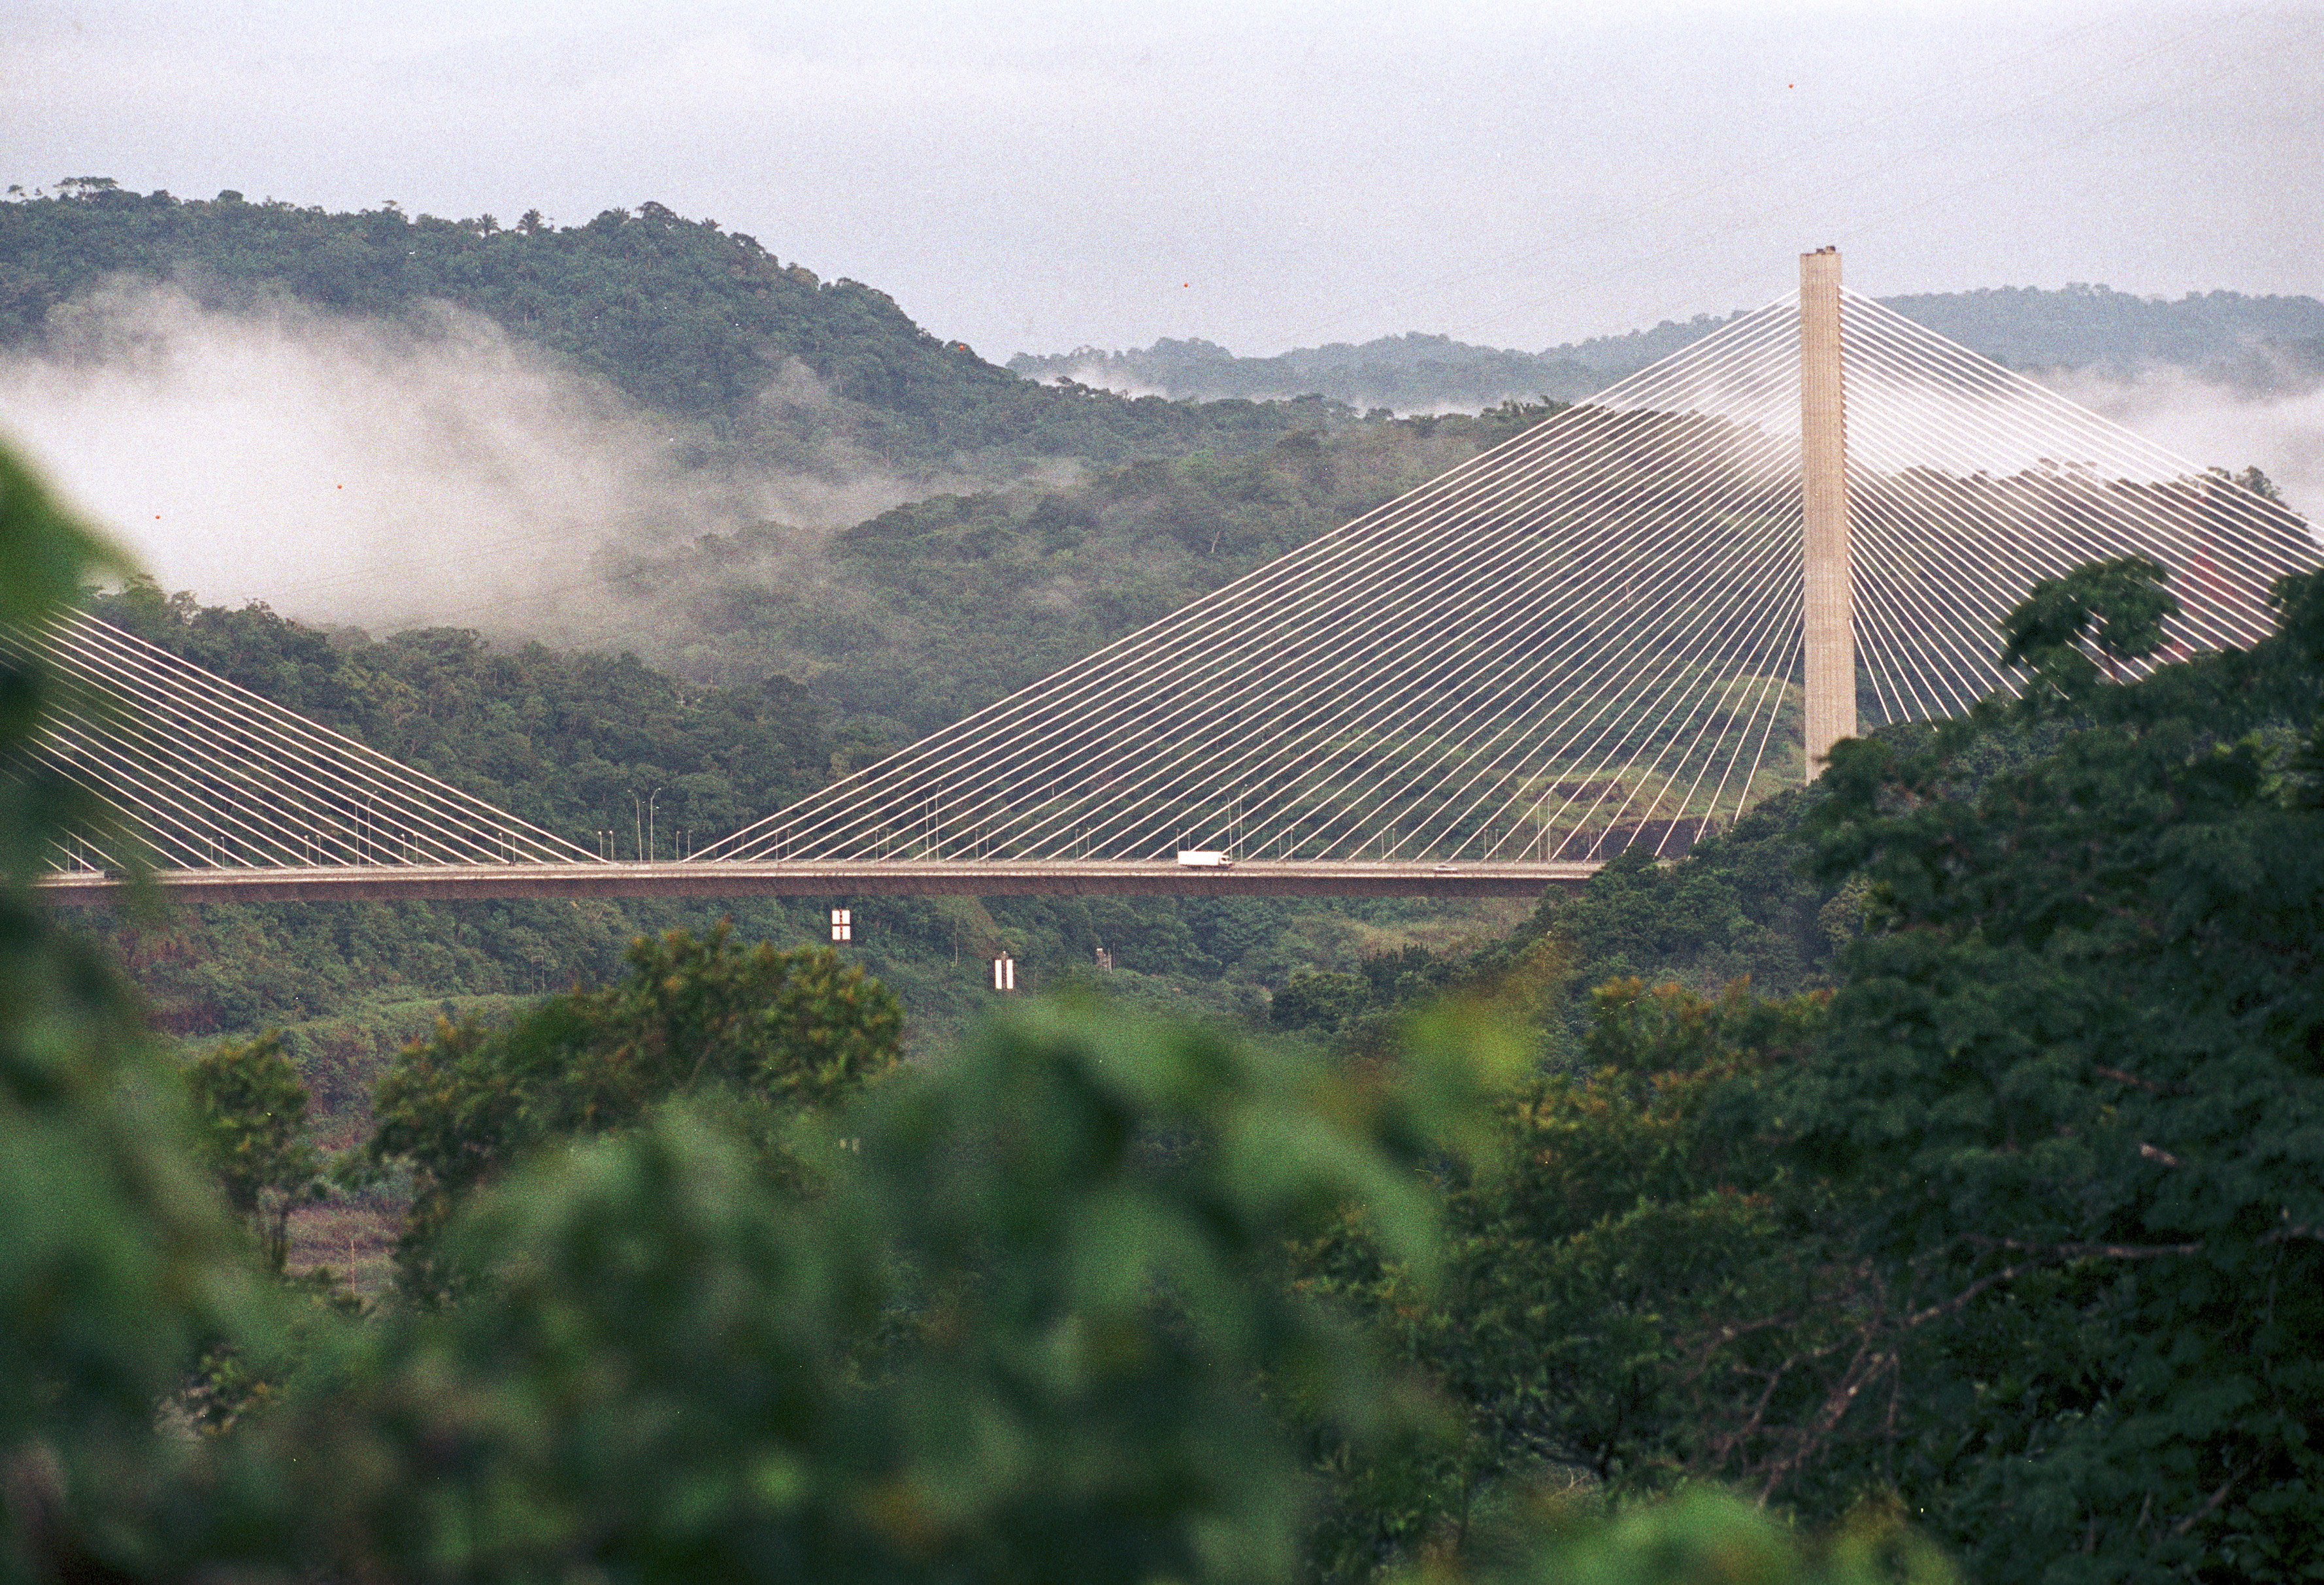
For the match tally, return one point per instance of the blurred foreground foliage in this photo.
(2013, 1231)
(1024, 1317)
(2020, 1224)
(116, 1259)
(757, 1034)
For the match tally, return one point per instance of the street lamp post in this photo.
(642, 824)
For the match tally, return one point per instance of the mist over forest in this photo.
(648, 432)
(2192, 373)
(633, 505)
(1920, 1169)
(646, 436)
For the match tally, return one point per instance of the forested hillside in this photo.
(678, 314)
(760, 665)
(925, 613)
(1930, 1157)
(2256, 345)
(607, 750)
(753, 666)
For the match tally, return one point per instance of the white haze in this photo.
(438, 471)
(2281, 432)
(389, 474)
(1266, 173)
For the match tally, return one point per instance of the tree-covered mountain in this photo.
(917, 616)
(678, 314)
(1413, 373)
(2254, 343)
(2008, 1239)
(759, 663)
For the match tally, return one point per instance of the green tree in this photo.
(2025, 1226)
(787, 1031)
(2116, 607)
(115, 1257)
(2074, 1080)
(1320, 1001)
(252, 1112)
(1638, 1288)
(1017, 1334)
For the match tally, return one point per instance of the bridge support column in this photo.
(1823, 485)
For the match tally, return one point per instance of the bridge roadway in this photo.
(824, 878)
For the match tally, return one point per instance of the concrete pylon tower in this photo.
(1823, 485)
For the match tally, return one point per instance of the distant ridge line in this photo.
(2242, 340)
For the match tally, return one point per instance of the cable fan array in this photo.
(196, 772)
(1969, 483)
(1586, 639)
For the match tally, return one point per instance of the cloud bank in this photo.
(2280, 431)
(433, 471)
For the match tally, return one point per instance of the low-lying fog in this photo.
(2280, 432)
(439, 472)
(389, 474)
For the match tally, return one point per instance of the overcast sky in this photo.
(1261, 173)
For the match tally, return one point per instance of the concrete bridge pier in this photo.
(1823, 486)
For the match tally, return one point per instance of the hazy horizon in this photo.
(1264, 176)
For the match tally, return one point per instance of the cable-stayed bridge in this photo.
(1619, 630)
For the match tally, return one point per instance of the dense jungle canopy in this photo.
(1921, 1179)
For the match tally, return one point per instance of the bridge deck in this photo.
(880, 878)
